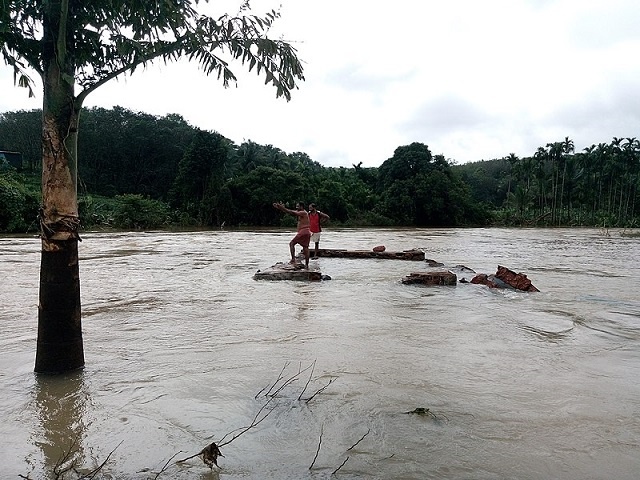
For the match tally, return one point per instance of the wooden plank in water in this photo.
(415, 255)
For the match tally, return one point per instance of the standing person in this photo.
(303, 236)
(315, 218)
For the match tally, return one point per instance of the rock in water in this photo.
(431, 278)
(505, 278)
(287, 271)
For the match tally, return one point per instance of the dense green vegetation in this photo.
(557, 186)
(139, 171)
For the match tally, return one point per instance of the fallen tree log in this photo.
(415, 255)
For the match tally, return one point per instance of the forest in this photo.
(139, 171)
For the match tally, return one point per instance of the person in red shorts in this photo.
(315, 219)
(303, 236)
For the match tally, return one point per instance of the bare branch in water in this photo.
(254, 423)
(286, 364)
(318, 450)
(94, 472)
(341, 465)
(189, 457)
(319, 391)
(361, 438)
(309, 380)
(290, 380)
(273, 391)
(165, 466)
(58, 471)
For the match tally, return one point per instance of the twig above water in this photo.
(361, 438)
(95, 471)
(290, 380)
(341, 465)
(318, 449)
(319, 391)
(309, 380)
(286, 364)
(254, 422)
(165, 466)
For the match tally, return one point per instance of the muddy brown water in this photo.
(180, 342)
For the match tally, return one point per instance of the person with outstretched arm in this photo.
(303, 237)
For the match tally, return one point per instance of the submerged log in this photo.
(431, 278)
(416, 255)
(287, 271)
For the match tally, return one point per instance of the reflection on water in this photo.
(180, 342)
(60, 407)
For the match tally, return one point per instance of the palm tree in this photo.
(567, 150)
(631, 152)
(555, 156)
(512, 160)
(540, 157)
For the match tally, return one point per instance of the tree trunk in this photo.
(59, 346)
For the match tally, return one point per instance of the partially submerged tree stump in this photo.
(287, 271)
(415, 255)
(431, 278)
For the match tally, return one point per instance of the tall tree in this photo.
(567, 150)
(19, 131)
(76, 46)
(399, 178)
(126, 152)
(512, 160)
(201, 177)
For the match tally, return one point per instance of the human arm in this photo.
(323, 216)
(280, 206)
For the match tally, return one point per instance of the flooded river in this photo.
(183, 348)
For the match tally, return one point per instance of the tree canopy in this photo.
(195, 178)
(96, 41)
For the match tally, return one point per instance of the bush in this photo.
(18, 205)
(138, 212)
(96, 211)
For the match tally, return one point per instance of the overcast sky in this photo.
(471, 79)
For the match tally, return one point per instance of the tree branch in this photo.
(319, 391)
(309, 380)
(341, 465)
(94, 472)
(286, 364)
(318, 449)
(361, 438)
(254, 423)
(165, 466)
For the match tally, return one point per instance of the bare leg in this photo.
(315, 254)
(292, 249)
(305, 250)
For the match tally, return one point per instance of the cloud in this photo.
(444, 115)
